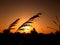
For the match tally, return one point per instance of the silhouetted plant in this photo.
(34, 31)
(57, 23)
(13, 24)
(29, 21)
(10, 27)
(6, 31)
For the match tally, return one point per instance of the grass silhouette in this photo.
(13, 24)
(30, 20)
(57, 23)
(10, 27)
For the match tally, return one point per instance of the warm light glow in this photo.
(26, 29)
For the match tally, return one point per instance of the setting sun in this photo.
(26, 29)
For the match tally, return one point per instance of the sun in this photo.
(26, 29)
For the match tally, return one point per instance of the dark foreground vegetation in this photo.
(33, 38)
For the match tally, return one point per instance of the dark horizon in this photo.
(7, 38)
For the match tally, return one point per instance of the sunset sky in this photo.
(24, 9)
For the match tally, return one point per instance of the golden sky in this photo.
(24, 9)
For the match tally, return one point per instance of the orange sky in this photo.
(24, 9)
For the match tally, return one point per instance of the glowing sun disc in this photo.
(26, 29)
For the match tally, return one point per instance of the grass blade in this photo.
(13, 24)
(29, 20)
(55, 22)
(51, 28)
(57, 19)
